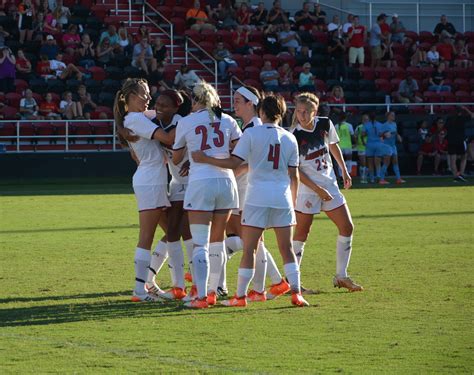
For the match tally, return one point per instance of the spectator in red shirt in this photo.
(71, 40)
(426, 150)
(385, 27)
(23, 66)
(446, 50)
(437, 126)
(357, 34)
(43, 68)
(243, 14)
(49, 109)
(441, 150)
(286, 80)
(240, 40)
(336, 97)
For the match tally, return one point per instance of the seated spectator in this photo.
(347, 25)
(142, 32)
(271, 44)
(432, 56)
(357, 36)
(224, 60)
(51, 25)
(49, 48)
(38, 27)
(3, 35)
(104, 52)
(197, 19)
(446, 50)
(259, 17)
(306, 79)
(226, 16)
(441, 150)
(63, 71)
(277, 16)
(444, 28)
(26, 13)
(160, 51)
(336, 97)
(49, 109)
(437, 80)
(23, 66)
(336, 51)
(86, 52)
(286, 80)
(186, 78)
(143, 57)
(269, 77)
(7, 70)
(397, 30)
(43, 68)
(303, 56)
(416, 54)
(243, 14)
(408, 91)
(289, 39)
(335, 24)
(240, 40)
(427, 150)
(212, 10)
(125, 41)
(461, 55)
(437, 126)
(304, 18)
(28, 107)
(388, 60)
(63, 13)
(112, 36)
(71, 40)
(85, 99)
(70, 109)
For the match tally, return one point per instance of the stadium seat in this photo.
(106, 99)
(8, 129)
(350, 85)
(239, 59)
(45, 129)
(254, 60)
(114, 72)
(57, 86)
(179, 25)
(320, 85)
(252, 72)
(101, 128)
(383, 85)
(254, 83)
(256, 36)
(166, 11)
(366, 85)
(427, 37)
(367, 97)
(110, 86)
(330, 83)
(179, 12)
(411, 35)
(93, 86)
(13, 99)
(367, 73)
(39, 85)
(193, 34)
(383, 73)
(10, 113)
(416, 72)
(463, 96)
(209, 36)
(272, 58)
(225, 36)
(236, 72)
(20, 85)
(98, 73)
(72, 85)
(395, 83)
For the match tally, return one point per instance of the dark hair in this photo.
(274, 107)
(257, 93)
(185, 107)
(342, 116)
(174, 96)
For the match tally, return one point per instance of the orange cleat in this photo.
(174, 293)
(400, 181)
(346, 282)
(192, 294)
(235, 302)
(188, 277)
(255, 296)
(145, 297)
(384, 182)
(298, 300)
(197, 303)
(278, 289)
(211, 298)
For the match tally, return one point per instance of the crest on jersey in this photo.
(315, 140)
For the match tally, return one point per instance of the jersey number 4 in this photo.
(218, 142)
(274, 155)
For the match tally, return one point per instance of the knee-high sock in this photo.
(216, 263)
(292, 272)
(343, 255)
(188, 244)
(142, 261)
(260, 268)
(298, 247)
(272, 269)
(383, 171)
(176, 263)
(233, 244)
(243, 280)
(396, 170)
(377, 171)
(223, 277)
(201, 270)
(158, 258)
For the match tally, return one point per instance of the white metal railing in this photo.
(166, 20)
(189, 53)
(231, 90)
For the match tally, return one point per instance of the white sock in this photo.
(233, 244)
(158, 258)
(188, 244)
(243, 281)
(142, 261)
(176, 263)
(223, 277)
(298, 248)
(201, 270)
(216, 262)
(272, 269)
(260, 268)
(292, 272)
(343, 255)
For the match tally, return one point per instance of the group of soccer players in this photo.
(227, 186)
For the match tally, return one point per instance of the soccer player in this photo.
(390, 138)
(345, 131)
(272, 156)
(212, 191)
(317, 139)
(361, 141)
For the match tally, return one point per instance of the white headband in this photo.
(247, 94)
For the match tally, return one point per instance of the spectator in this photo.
(461, 53)
(269, 77)
(160, 52)
(43, 68)
(289, 39)
(227, 16)
(23, 66)
(336, 51)
(86, 52)
(408, 91)
(348, 25)
(29, 107)
(71, 40)
(259, 17)
(319, 14)
(85, 99)
(49, 109)
(186, 78)
(286, 80)
(438, 126)
(51, 25)
(7, 70)
(433, 56)
(243, 14)
(441, 150)
(3, 35)
(416, 54)
(212, 10)
(38, 27)
(437, 80)
(240, 40)
(142, 32)
(336, 97)
(357, 35)
(444, 28)
(224, 60)
(70, 109)
(306, 79)
(143, 57)
(63, 13)
(277, 16)
(423, 131)
(49, 48)
(388, 60)
(427, 150)
(335, 24)
(304, 18)
(112, 36)
(397, 30)
(26, 14)
(303, 56)
(63, 71)
(385, 28)
(271, 40)
(446, 50)
(375, 41)
(125, 41)
(197, 19)
(105, 52)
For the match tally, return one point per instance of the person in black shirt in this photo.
(277, 16)
(336, 50)
(304, 18)
(259, 17)
(437, 80)
(444, 28)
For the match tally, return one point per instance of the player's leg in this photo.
(158, 257)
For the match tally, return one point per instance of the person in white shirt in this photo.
(272, 155)
(63, 71)
(317, 141)
(212, 191)
(186, 78)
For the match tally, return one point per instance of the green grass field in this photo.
(66, 253)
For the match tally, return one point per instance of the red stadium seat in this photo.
(411, 35)
(383, 85)
(252, 72)
(8, 129)
(20, 85)
(272, 58)
(256, 36)
(432, 97)
(463, 96)
(417, 73)
(13, 99)
(384, 73)
(225, 36)
(179, 12)
(427, 37)
(193, 34)
(287, 58)
(239, 59)
(166, 11)
(395, 83)
(254, 83)
(98, 73)
(257, 47)
(367, 73)
(209, 36)
(10, 113)
(254, 60)
(462, 84)
(207, 46)
(179, 25)
(236, 72)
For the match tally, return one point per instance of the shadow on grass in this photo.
(62, 298)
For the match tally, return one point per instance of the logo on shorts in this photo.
(243, 220)
(308, 204)
(189, 205)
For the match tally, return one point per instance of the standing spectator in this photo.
(269, 77)
(408, 91)
(397, 30)
(49, 109)
(63, 71)
(461, 53)
(24, 69)
(348, 25)
(71, 40)
(259, 17)
(240, 40)
(197, 19)
(186, 78)
(227, 16)
(306, 79)
(437, 80)
(63, 13)
(444, 28)
(26, 14)
(337, 97)
(432, 56)
(289, 39)
(427, 150)
(7, 70)
(441, 150)
(70, 109)
(224, 60)
(446, 50)
(277, 16)
(385, 28)
(319, 14)
(125, 41)
(304, 18)
(160, 52)
(86, 102)
(357, 35)
(143, 57)
(286, 78)
(375, 41)
(105, 52)
(49, 48)
(336, 50)
(86, 52)
(28, 106)
(335, 24)
(243, 14)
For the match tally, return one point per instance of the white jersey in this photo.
(196, 132)
(269, 150)
(315, 160)
(152, 167)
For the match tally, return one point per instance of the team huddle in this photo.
(228, 184)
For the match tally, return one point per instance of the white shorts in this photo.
(211, 194)
(242, 193)
(265, 217)
(176, 191)
(311, 203)
(151, 197)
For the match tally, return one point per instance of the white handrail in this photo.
(186, 48)
(129, 12)
(170, 34)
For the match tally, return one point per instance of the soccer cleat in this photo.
(153, 289)
(197, 303)
(298, 300)
(384, 182)
(460, 178)
(144, 297)
(400, 181)
(211, 298)
(346, 282)
(192, 294)
(188, 277)
(223, 292)
(255, 296)
(278, 289)
(235, 302)
(174, 293)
